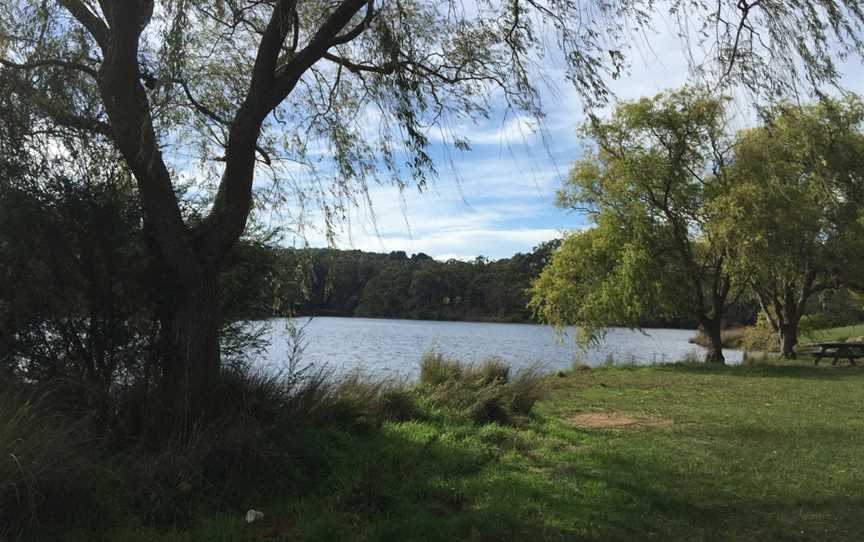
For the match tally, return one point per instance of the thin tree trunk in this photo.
(790, 315)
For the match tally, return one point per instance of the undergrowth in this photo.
(67, 471)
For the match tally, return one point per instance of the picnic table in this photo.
(838, 351)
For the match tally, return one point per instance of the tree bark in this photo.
(788, 339)
(714, 354)
(190, 325)
(190, 256)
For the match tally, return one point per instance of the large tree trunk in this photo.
(193, 253)
(712, 330)
(191, 323)
(788, 339)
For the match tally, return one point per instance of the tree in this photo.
(658, 164)
(788, 213)
(771, 48)
(253, 85)
(247, 83)
(386, 294)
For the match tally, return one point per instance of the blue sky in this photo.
(498, 198)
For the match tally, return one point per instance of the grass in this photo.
(705, 453)
(834, 334)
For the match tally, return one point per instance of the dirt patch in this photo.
(613, 420)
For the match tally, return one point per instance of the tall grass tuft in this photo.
(43, 458)
(437, 369)
(485, 393)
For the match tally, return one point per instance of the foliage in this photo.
(79, 288)
(238, 84)
(271, 433)
(73, 302)
(352, 282)
(647, 187)
(583, 283)
(760, 337)
(437, 369)
(792, 211)
(730, 337)
(772, 49)
(44, 456)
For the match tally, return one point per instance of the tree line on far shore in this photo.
(691, 215)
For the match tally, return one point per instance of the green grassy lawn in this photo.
(737, 453)
(834, 334)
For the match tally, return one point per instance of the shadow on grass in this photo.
(447, 486)
(414, 483)
(651, 500)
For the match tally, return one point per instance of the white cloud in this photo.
(518, 129)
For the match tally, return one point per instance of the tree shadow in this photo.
(449, 486)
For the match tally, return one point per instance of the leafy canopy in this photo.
(657, 162)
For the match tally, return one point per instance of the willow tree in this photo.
(348, 89)
(658, 164)
(773, 48)
(331, 95)
(792, 213)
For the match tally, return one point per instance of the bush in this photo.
(399, 405)
(493, 370)
(760, 337)
(484, 393)
(729, 338)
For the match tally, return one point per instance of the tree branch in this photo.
(742, 24)
(50, 62)
(288, 75)
(96, 26)
(264, 69)
(357, 30)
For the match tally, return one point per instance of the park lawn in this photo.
(834, 334)
(710, 453)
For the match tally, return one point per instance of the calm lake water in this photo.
(394, 347)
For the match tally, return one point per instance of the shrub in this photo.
(398, 404)
(729, 338)
(760, 337)
(492, 370)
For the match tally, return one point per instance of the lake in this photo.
(394, 347)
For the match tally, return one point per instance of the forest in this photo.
(330, 282)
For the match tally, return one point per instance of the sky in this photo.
(498, 198)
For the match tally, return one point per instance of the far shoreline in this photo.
(467, 321)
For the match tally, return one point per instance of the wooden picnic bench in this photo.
(838, 351)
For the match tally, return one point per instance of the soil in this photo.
(613, 420)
